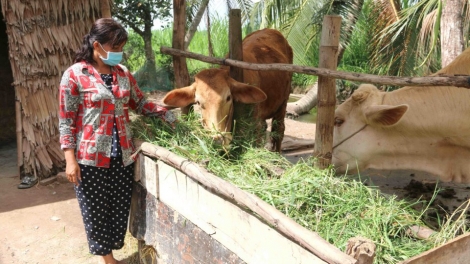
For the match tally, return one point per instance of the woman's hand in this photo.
(171, 119)
(72, 170)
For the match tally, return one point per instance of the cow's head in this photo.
(214, 92)
(360, 123)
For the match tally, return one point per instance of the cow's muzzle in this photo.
(223, 138)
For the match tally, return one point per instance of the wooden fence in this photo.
(146, 227)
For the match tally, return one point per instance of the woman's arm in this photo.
(69, 99)
(141, 105)
(72, 170)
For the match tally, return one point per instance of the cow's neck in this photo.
(432, 137)
(439, 156)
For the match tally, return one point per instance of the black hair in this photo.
(104, 30)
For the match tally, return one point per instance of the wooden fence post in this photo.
(179, 63)
(105, 9)
(240, 111)
(326, 92)
(235, 42)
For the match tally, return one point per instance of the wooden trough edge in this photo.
(456, 251)
(307, 239)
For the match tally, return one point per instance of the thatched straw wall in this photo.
(42, 37)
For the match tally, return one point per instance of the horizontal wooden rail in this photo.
(459, 81)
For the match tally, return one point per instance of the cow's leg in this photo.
(278, 127)
(262, 132)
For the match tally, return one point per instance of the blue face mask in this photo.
(113, 58)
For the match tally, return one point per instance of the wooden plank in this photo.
(296, 233)
(456, 251)
(143, 203)
(137, 218)
(178, 240)
(242, 233)
(150, 176)
(175, 239)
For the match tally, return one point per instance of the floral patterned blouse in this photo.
(88, 110)
(115, 146)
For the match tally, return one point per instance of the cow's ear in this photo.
(247, 94)
(385, 115)
(180, 97)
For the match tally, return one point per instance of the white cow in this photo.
(419, 128)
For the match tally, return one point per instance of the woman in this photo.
(95, 95)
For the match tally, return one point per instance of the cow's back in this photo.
(459, 66)
(269, 46)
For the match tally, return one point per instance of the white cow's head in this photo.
(360, 123)
(214, 92)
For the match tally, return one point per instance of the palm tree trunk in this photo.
(304, 104)
(209, 39)
(197, 19)
(309, 100)
(452, 43)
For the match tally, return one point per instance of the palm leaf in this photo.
(398, 45)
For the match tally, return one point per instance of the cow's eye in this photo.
(229, 98)
(338, 121)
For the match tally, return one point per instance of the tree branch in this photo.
(131, 25)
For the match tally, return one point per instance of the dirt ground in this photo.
(43, 224)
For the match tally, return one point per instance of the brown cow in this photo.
(420, 128)
(214, 90)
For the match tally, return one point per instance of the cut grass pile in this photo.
(337, 208)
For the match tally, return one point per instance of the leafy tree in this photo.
(402, 35)
(300, 21)
(195, 10)
(195, 22)
(416, 34)
(139, 15)
(134, 56)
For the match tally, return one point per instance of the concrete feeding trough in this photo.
(188, 215)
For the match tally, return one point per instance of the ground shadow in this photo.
(13, 198)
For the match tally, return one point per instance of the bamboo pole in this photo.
(329, 44)
(283, 224)
(458, 81)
